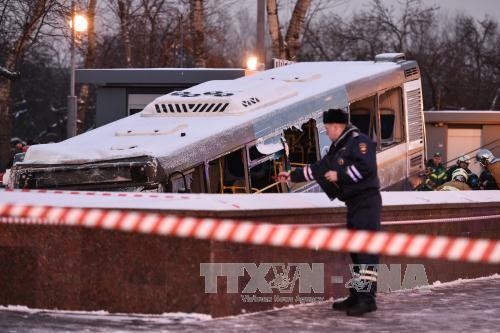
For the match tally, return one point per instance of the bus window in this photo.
(188, 181)
(361, 118)
(266, 160)
(302, 143)
(387, 125)
(391, 117)
(227, 173)
(362, 115)
(303, 146)
(197, 180)
(261, 177)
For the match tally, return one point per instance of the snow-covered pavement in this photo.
(469, 305)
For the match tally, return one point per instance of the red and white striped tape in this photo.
(384, 243)
(103, 194)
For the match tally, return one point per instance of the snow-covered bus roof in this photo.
(176, 128)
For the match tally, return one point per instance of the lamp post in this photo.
(254, 65)
(78, 23)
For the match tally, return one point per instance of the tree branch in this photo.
(9, 74)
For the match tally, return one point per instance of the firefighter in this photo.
(349, 172)
(458, 182)
(462, 162)
(473, 182)
(491, 172)
(431, 181)
(436, 161)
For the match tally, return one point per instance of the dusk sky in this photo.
(477, 8)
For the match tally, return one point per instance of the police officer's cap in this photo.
(338, 116)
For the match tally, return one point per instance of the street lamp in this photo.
(78, 23)
(253, 66)
(252, 63)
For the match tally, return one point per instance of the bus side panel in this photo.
(392, 168)
(415, 135)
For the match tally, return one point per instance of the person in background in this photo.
(473, 182)
(458, 182)
(430, 182)
(18, 148)
(486, 181)
(436, 170)
(434, 177)
(490, 177)
(463, 163)
(435, 161)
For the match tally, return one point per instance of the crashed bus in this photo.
(234, 136)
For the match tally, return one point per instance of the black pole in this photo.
(260, 50)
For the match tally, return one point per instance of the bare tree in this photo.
(20, 22)
(8, 74)
(149, 32)
(471, 77)
(399, 30)
(458, 58)
(288, 47)
(239, 44)
(293, 34)
(198, 32)
(124, 10)
(278, 49)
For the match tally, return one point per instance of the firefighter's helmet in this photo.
(484, 157)
(463, 159)
(460, 175)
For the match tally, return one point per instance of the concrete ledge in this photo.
(81, 269)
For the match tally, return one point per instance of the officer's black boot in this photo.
(348, 302)
(366, 295)
(362, 307)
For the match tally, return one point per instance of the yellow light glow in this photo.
(81, 23)
(252, 63)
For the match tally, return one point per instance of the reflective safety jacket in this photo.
(454, 185)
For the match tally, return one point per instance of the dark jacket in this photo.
(487, 181)
(353, 156)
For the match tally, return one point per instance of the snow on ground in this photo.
(230, 202)
(458, 306)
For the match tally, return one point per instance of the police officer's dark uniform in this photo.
(353, 157)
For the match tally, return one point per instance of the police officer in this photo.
(349, 172)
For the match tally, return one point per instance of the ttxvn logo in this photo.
(266, 277)
(281, 278)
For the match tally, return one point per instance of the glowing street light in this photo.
(81, 23)
(252, 63)
(253, 66)
(80, 26)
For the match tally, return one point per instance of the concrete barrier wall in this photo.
(81, 269)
